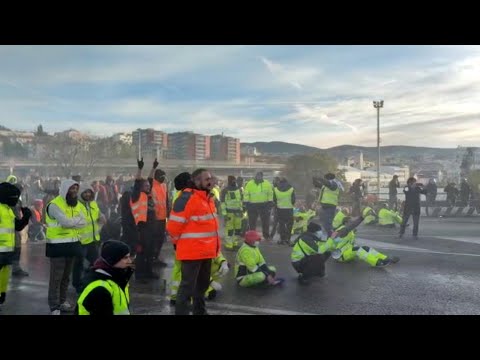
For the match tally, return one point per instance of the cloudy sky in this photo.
(313, 95)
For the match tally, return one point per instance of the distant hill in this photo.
(343, 151)
(280, 147)
(3, 128)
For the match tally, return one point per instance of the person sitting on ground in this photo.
(347, 250)
(310, 252)
(250, 266)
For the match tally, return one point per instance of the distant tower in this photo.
(360, 160)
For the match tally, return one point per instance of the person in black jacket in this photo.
(114, 265)
(9, 196)
(412, 205)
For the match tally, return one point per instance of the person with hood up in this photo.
(9, 224)
(89, 234)
(106, 285)
(232, 209)
(250, 266)
(64, 218)
(284, 199)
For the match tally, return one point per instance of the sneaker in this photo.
(173, 302)
(212, 295)
(394, 259)
(20, 272)
(56, 312)
(302, 280)
(66, 307)
(384, 262)
(278, 282)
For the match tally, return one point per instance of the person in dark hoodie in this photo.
(106, 284)
(9, 224)
(284, 199)
(231, 201)
(64, 219)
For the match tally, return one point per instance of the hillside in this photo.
(343, 151)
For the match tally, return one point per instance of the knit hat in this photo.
(113, 251)
(181, 180)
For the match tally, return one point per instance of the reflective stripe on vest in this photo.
(198, 235)
(120, 299)
(328, 196)
(140, 208)
(284, 198)
(57, 234)
(159, 197)
(7, 228)
(233, 200)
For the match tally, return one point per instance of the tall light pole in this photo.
(377, 105)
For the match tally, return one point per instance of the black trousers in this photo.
(313, 265)
(285, 223)
(262, 210)
(415, 213)
(158, 237)
(194, 284)
(90, 253)
(145, 250)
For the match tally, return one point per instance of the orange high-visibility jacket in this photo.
(159, 196)
(140, 208)
(193, 226)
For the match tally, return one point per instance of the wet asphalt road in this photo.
(437, 274)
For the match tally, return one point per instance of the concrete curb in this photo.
(449, 211)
